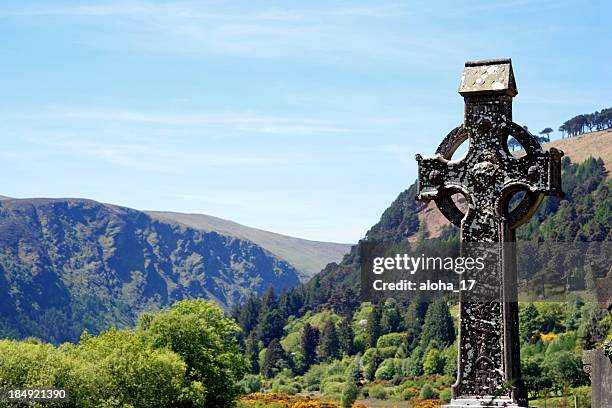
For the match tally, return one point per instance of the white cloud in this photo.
(244, 122)
(154, 157)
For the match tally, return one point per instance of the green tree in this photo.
(343, 301)
(390, 321)
(268, 302)
(309, 343)
(427, 392)
(328, 345)
(270, 327)
(290, 303)
(349, 393)
(251, 352)
(121, 368)
(438, 325)
(450, 360)
(552, 315)
(373, 329)
(354, 370)
(433, 362)
(345, 336)
(546, 132)
(413, 322)
(533, 375)
(199, 332)
(529, 322)
(248, 314)
(275, 359)
(565, 369)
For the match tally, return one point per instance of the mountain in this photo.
(584, 215)
(307, 257)
(73, 264)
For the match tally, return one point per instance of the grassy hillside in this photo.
(71, 264)
(308, 257)
(579, 148)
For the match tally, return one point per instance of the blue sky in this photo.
(297, 117)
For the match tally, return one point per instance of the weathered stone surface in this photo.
(488, 76)
(599, 368)
(488, 176)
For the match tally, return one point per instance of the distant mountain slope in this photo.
(584, 216)
(73, 264)
(308, 257)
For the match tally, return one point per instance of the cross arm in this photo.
(538, 171)
(436, 175)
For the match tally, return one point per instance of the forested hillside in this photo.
(68, 264)
(584, 215)
(319, 337)
(306, 256)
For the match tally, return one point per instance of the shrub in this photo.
(332, 390)
(409, 393)
(119, 367)
(446, 395)
(370, 356)
(369, 371)
(359, 343)
(332, 378)
(583, 394)
(349, 394)
(377, 392)
(386, 370)
(312, 379)
(250, 383)
(290, 389)
(427, 392)
(433, 362)
(450, 360)
(391, 340)
(387, 352)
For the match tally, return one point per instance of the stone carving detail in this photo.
(488, 176)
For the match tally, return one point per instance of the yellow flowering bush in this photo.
(549, 336)
(426, 404)
(286, 401)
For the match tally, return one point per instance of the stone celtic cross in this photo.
(488, 176)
